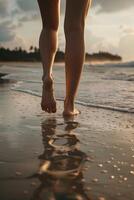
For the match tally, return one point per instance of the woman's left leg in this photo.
(50, 12)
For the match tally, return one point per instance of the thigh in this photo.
(76, 11)
(50, 12)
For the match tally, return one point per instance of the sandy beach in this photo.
(46, 156)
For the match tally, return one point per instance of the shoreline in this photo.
(78, 102)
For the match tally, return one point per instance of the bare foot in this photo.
(48, 102)
(69, 109)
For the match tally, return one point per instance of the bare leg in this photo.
(76, 11)
(48, 45)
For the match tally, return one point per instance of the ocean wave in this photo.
(120, 76)
(116, 97)
(106, 107)
(119, 64)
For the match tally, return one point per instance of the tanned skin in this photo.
(74, 25)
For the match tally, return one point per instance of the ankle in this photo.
(69, 101)
(47, 83)
(47, 79)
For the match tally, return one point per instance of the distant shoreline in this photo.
(33, 55)
(55, 63)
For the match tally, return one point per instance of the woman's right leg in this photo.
(74, 26)
(49, 10)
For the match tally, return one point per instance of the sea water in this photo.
(107, 86)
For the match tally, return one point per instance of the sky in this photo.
(109, 26)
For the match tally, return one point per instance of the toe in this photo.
(49, 109)
(54, 109)
(44, 107)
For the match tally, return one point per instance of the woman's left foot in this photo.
(48, 102)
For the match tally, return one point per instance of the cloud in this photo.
(8, 36)
(112, 6)
(27, 18)
(27, 5)
(106, 5)
(28, 10)
(92, 41)
(3, 8)
(6, 31)
(126, 47)
(18, 41)
(15, 12)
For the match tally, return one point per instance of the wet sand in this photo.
(46, 156)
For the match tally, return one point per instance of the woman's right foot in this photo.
(69, 109)
(48, 102)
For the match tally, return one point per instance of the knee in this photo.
(50, 25)
(74, 27)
